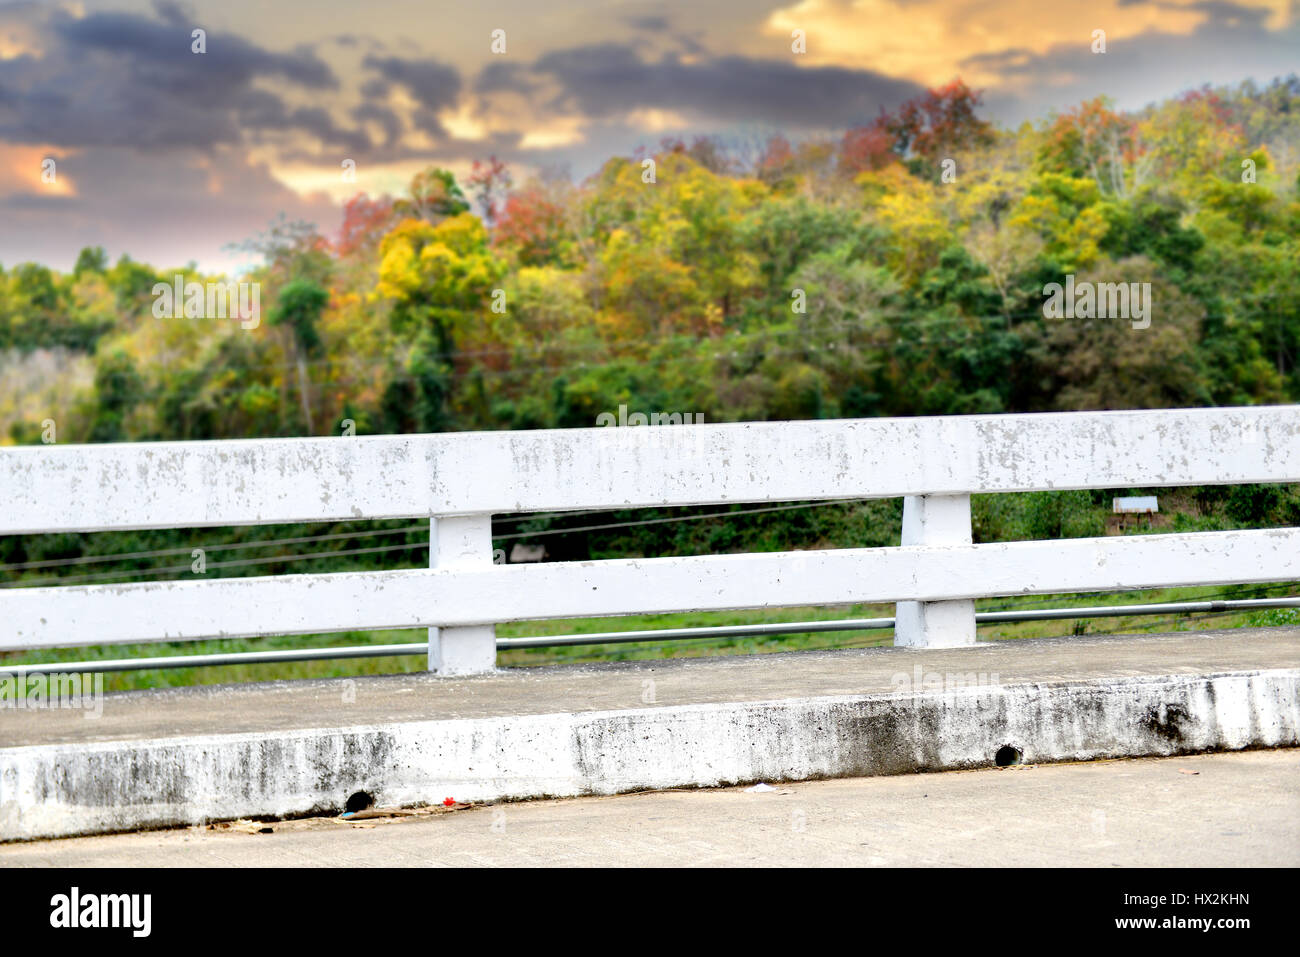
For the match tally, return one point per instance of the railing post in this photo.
(461, 542)
(935, 520)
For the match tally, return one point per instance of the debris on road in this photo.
(357, 819)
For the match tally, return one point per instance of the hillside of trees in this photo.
(895, 270)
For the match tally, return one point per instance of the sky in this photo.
(172, 155)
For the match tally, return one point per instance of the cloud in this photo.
(156, 138)
(926, 41)
(503, 76)
(120, 79)
(651, 22)
(610, 80)
(382, 116)
(162, 50)
(171, 154)
(435, 85)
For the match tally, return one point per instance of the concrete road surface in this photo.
(1208, 810)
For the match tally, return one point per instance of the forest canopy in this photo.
(896, 269)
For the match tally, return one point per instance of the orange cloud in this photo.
(928, 41)
(22, 171)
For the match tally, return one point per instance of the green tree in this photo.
(118, 389)
(298, 310)
(91, 259)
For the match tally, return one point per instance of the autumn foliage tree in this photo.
(365, 221)
(924, 130)
(1093, 140)
(533, 226)
(489, 181)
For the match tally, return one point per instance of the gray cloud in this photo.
(118, 79)
(434, 84)
(504, 76)
(384, 117)
(650, 22)
(609, 80)
(162, 51)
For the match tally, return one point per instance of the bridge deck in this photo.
(387, 700)
(166, 758)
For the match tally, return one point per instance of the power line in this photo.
(681, 518)
(163, 552)
(100, 576)
(267, 543)
(173, 569)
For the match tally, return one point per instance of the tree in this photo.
(489, 182)
(1093, 140)
(439, 280)
(775, 161)
(432, 196)
(534, 227)
(118, 388)
(91, 259)
(927, 128)
(866, 148)
(292, 249)
(299, 309)
(1108, 364)
(365, 221)
(132, 284)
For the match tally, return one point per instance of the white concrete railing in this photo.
(461, 480)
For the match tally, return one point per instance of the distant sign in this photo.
(1139, 504)
(527, 553)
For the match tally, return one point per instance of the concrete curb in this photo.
(65, 790)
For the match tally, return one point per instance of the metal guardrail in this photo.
(658, 634)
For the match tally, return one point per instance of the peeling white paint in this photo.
(190, 484)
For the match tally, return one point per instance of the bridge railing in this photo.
(460, 480)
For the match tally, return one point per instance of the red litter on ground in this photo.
(448, 801)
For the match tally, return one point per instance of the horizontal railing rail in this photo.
(347, 601)
(460, 480)
(263, 481)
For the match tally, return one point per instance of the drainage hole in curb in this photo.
(359, 801)
(1007, 756)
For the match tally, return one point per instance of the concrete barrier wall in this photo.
(97, 787)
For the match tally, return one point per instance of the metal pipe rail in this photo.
(616, 637)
